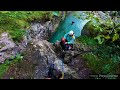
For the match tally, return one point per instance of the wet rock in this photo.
(59, 65)
(69, 55)
(67, 58)
(58, 49)
(44, 53)
(84, 73)
(40, 31)
(79, 64)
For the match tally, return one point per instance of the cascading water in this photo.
(74, 21)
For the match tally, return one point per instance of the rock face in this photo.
(40, 31)
(44, 54)
(8, 48)
(79, 65)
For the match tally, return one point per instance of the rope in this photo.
(62, 70)
(62, 66)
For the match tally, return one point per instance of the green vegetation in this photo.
(105, 56)
(15, 22)
(4, 67)
(104, 39)
(86, 43)
(106, 29)
(87, 40)
(103, 59)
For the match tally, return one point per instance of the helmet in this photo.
(71, 32)
(63, 40)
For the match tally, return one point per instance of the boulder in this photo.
(58, 49)
(44, 53)
(79, 64)
(69, 55)
(69, 73)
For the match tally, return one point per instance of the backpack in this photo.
(53, 73)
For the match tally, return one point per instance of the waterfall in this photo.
(74, 21)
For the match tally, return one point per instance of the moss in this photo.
(87, 40)
(4, 67)
(93, 63)
(14, 22)
(86, 43)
